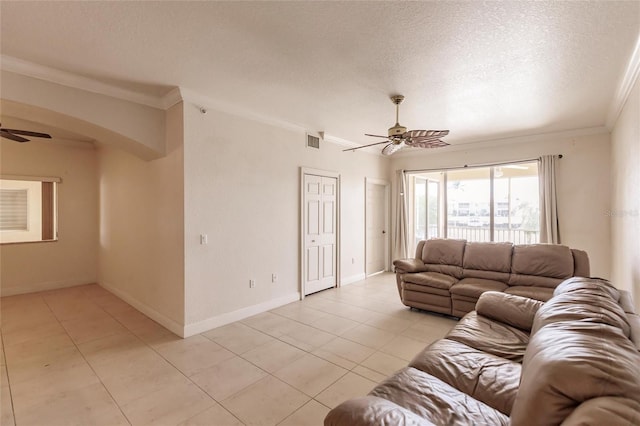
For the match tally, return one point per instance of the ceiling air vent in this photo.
(313, 142)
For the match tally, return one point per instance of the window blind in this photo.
(13, 210)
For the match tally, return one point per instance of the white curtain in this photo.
(400, 248)
(549, 232)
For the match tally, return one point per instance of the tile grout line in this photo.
(348, 370)
(307, 349)
(82, 355)
(132, 332)
(6, 367)
(191, 381)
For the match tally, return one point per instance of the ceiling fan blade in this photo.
(392, 147)
(13, 137)
(364, 146)
(376, 136)
(434, 143)
(28, 133)
(413, 141)
(429, 134)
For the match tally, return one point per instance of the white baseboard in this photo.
(352, 279)
(237, 315)
(36, 287)
(161, 319)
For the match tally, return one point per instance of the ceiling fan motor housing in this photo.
(397, 130)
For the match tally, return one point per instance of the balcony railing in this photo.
(482, 234)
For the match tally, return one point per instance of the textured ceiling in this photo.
(483, 70)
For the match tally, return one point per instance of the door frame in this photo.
(303, 268)
(387, 221)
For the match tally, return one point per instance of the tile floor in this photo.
(82, 356)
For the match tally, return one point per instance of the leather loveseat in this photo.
(573, 360)
(448, 276)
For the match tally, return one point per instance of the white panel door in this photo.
(376, 232)
(320, 210)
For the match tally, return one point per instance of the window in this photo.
(477, 204)
(28, 209)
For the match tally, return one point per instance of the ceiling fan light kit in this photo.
(399, 138)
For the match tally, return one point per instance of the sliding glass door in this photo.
(477, 204)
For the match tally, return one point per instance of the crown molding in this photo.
(65, 78)
(492, 143)
(171, 98)
(204, 102)
(625, 86)
(339, 141)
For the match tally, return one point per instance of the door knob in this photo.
(384, 232)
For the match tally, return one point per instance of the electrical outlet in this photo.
(252, 283)
(274, 278)
(353, 260)
(204, 240)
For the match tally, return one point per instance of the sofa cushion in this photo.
(626, 302)
(508, 309)
(584, 307)
(436, 401)
(533, 292)
(570, 362)
(443, 251)
(543, 265)
(371, 410)
(581, 267)
(431, 279)
(426, 289)
(474, 287)
(487, 260)
(634, 322)
(428, 301)
(461, 306)
(594, 286)
(490, 336)
(605, 411)
(409, 265)
(487, 378)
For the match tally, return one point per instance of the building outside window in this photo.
(477, 204)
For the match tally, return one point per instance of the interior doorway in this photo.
(377, 201)
(320, 212)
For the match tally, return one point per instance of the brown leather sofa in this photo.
(573, 360)
(448, 276)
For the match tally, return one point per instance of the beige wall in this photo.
(72, 260)
(582, 185)
(242, 190)
(625, 197)
(142, 227)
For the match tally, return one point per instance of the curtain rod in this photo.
(473, 166)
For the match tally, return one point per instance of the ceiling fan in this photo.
(399, 137)
(14, 134)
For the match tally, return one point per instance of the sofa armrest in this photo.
(409, 265)
(510, 309)
(371, 410)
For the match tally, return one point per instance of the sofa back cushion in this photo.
(444, 256)
(543, 265)
(581, 267)
(595, 286)
(491, 261)
(567, 363)
(587, 306)
(578, 351)
(419, 248)
(605, 411)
